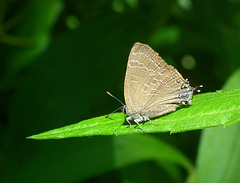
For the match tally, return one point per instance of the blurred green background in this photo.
(58, 59)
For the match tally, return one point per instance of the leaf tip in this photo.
(31, 137)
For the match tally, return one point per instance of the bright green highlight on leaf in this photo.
(219, 108)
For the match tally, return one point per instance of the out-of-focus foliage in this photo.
(57, 59)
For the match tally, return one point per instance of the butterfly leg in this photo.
(139, 125)
(136, 121)
(127, 119)
(151, 121)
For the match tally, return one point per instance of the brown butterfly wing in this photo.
(152, 87)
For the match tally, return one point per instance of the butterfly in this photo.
(152, 87)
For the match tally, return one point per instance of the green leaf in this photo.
(143, 147)
(161, 152)
(218, 157)
(207, 110)
(82, 154)
(233, 81)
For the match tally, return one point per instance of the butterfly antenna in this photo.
(121, 107)
(113, 112)
(114, 97)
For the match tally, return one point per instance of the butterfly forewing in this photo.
(151, 86)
